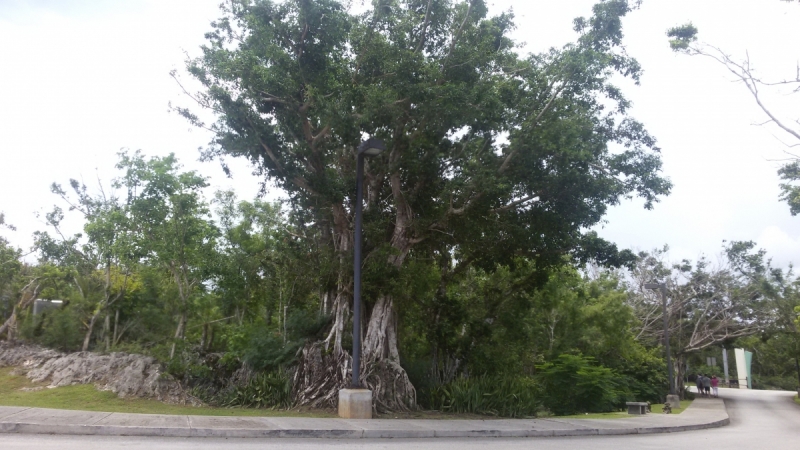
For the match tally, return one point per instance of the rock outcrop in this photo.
(126, 375)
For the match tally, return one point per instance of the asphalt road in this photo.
(759, 420)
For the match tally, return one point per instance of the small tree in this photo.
(707, 305)
(103, 261)
(10, 267)
(171, 223)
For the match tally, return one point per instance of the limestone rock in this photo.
(126, 375)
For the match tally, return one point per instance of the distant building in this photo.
(40, 305)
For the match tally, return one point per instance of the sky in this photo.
(82, 79)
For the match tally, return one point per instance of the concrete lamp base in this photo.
(674, 400)
(355, 404)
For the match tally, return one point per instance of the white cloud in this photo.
(782, 247)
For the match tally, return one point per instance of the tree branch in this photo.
(424, 27)
(515, 204)
(513, 152)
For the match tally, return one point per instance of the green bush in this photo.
(185, 364)
(265, 350)
(644, 374)
(266, 390)
(505, 397)
(775, 383)
(57, 328)
(705, 370)
(573, 384)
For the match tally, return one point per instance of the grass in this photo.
(87, 398)
(655, 409)
(17, 390)
(797, 399)
(658, 409)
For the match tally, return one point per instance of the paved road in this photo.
(759, 420)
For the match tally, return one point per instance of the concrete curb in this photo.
(339, 429)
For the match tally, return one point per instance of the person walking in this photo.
(707, 386)
(715, 385)
(699, 383)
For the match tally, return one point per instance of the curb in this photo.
(95, 430)
(426, 431)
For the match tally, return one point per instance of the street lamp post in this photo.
(370, 147)
(355, 402)
(662, 287)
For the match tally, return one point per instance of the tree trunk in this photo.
(285, 312)
(178, 333)
(680, 361)
(89, 329)
(27, 297)
(10, 325)
(327, 301)
(107, 331)
(381, 339)
(797, 367)
(183, 293)
(116, 325)
(391, 388)
(323, 371)
(325, 367)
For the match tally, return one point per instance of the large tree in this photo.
(491, 155)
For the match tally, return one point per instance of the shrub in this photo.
(775, 383)
(266, 390)
(58, 328)
(62, 331)
(706, 370)
(644, 374)
(573, 384)
(265, 350)
(497, 396)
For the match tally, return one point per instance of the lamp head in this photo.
(654, 286)
(371, 147)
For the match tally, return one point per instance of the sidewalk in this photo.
(702, 414)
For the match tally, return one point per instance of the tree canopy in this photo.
(491, 155)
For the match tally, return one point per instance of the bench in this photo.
(638, 408)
